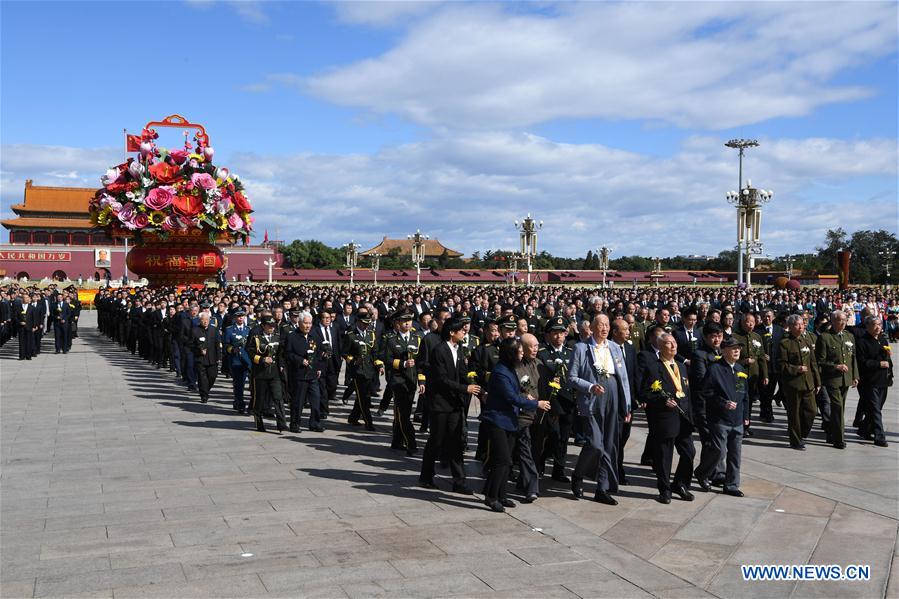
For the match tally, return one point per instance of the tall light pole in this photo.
(789, 260)
(887, 259)
(528, 235)
(656, 273)
(375, 265)
(604, 253)
(270, 262)
(741, 145)
(418, 252)
(749, 225)
(352, 257)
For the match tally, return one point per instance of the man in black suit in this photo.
(724, 391)
(687, 336)
(328, 340)
(644, 359)
(448, 387)
(303, 369)
(62, 320)
(708, 352)
(205, 342)
(626, 366)
(28, 318)
(875, 366)
(666, 390)
(772, 334)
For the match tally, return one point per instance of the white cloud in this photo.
(248, 10)
(708, 65)
(467, 189)
(379, 14)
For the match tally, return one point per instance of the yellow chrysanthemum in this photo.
(742, 375)
(656, 386)
(555, 385)
(472, 374)
(157, 218)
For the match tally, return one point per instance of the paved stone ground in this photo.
(114, 483)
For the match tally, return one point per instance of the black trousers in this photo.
(304, 390)
(872, 400)
(61, 336)
(361, 386)
(403, 431)
(623, 436)
(327, 389)
(238, 383)
(663, 456)
(206, 375)
(444, 440)
(267, 394)
(766, 397)
(499, 460)
(26, 343)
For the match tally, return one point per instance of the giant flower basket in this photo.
(175, 204)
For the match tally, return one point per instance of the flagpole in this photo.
(125, 132)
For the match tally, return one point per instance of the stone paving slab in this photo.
(115, 483)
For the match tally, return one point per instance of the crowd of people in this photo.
(548, 367)
(28, 314)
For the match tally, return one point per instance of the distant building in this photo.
(433, 248)
(52, 237)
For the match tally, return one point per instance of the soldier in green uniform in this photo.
(399, 351)
(550, 433)
(363, 365)
(636, 335)
(835, 354)
(799, 379)
(266, 375)
(752, 359)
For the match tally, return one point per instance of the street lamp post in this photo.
(604, 253)
(528, 236)
(270, 262)
(749, 225)
(418, 252)
(887, 259)
(741, 145)
(352, 257)
(656, 274)
(375, 265)
(789, 260)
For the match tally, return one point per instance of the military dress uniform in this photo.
(799, 387)
(238, 360)
(552, 432)
(398, 348)
(752, 347)
(266, 378)
(831, 351)
(358, 350)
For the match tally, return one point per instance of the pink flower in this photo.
(203, 180)
(141, 221)
(126, 214)
(112, 176)
(173, 223)
(159, 198)
(235, 222)
(179, 156)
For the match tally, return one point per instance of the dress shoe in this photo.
(353, 422)
(260, 428)
(840, 445)
(496, 506)
(683, 493)
(294, 429)
(507, 502)
(881, 443)
(664, 497)
(748, 433)
(705, 485)
(798, 446)
(379, 413)
(462, 490)
(576, 489)
(317, 429)
(733, 492)
(370, 428)
(531, 498)
(204, 399)
(604, 497)
(561, 478)
(427, 484)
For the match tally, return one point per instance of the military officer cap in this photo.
(557, 323)
(464, 317)
(363, 314)
(296, 312)
(729, 342)
(402, 314)
(268, 321)
(205, 304)
(507, 322)
(240, 312)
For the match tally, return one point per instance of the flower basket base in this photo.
(179, 260)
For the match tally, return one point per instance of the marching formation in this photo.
(547, 367)
(28, 314)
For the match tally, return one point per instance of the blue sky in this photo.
(355, 120)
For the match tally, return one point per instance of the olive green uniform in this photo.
(799, 387)
(832, 350)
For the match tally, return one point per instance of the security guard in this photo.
(235, 341)
(551, 433)
(400, 350)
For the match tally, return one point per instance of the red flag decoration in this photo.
(132, 143)
(266, 237)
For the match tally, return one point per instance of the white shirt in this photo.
(602, 357)
(455, 351)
